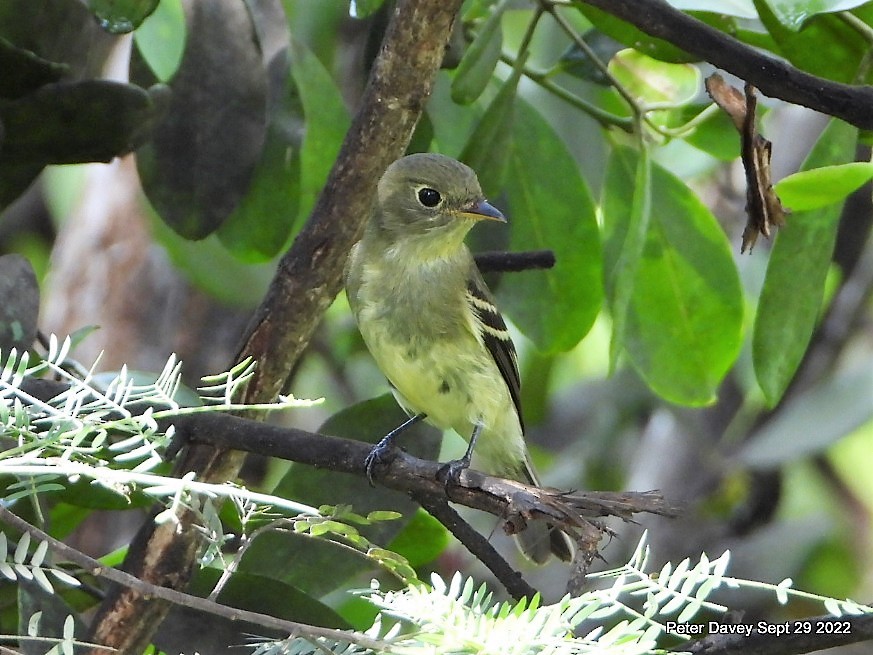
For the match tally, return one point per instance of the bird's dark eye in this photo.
(429, 197)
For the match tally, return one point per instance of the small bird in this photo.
(430, 323)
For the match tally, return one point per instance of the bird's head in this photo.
(428, 198)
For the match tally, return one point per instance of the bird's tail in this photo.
(540, 540)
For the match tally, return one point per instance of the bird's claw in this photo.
(377, 456)
(450, 472)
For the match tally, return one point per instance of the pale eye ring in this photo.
(429, 197)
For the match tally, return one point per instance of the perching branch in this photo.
(773, 77)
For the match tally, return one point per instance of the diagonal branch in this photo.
(773, 77)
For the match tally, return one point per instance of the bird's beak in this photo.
(481, 210)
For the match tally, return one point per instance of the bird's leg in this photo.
(450, 472)
(380, 450)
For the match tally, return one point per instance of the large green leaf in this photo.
(684, 317)
(794, 286)
(551, 208)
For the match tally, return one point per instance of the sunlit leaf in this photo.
(822, 186)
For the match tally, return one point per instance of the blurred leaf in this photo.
(684, 317)
(716, 135)
(76, 122)
(818, 187)
(24, 71)
(200, 162)
(812, 421)
(19, 304)
(488, 150)
(208, 265)
(791, 298)
(257, 593)
(121, 16)
(576, 62)
(261, 225)
(307, 559)
(478, 63)
(826, 46)
(551, 208)
(161, 39)
(794, 13)
(422, 540)
(653, 81)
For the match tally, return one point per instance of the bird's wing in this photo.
(495, 336)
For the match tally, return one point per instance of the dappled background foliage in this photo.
(654, 355)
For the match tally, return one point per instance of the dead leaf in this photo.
(763, 206)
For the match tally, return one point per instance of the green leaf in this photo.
(121, 16)
(327, 121)
(551, 207)
(813, 421)
(478, 63)
(793, 14)
(823, 186)
(261, 225)
(793, 289)
(161, 39)
(422, 540)
(624, 240)
(684, 315)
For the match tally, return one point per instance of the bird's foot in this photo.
(380, 454)
(450, 472)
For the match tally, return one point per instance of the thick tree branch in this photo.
(305, 284)
(775, 78)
